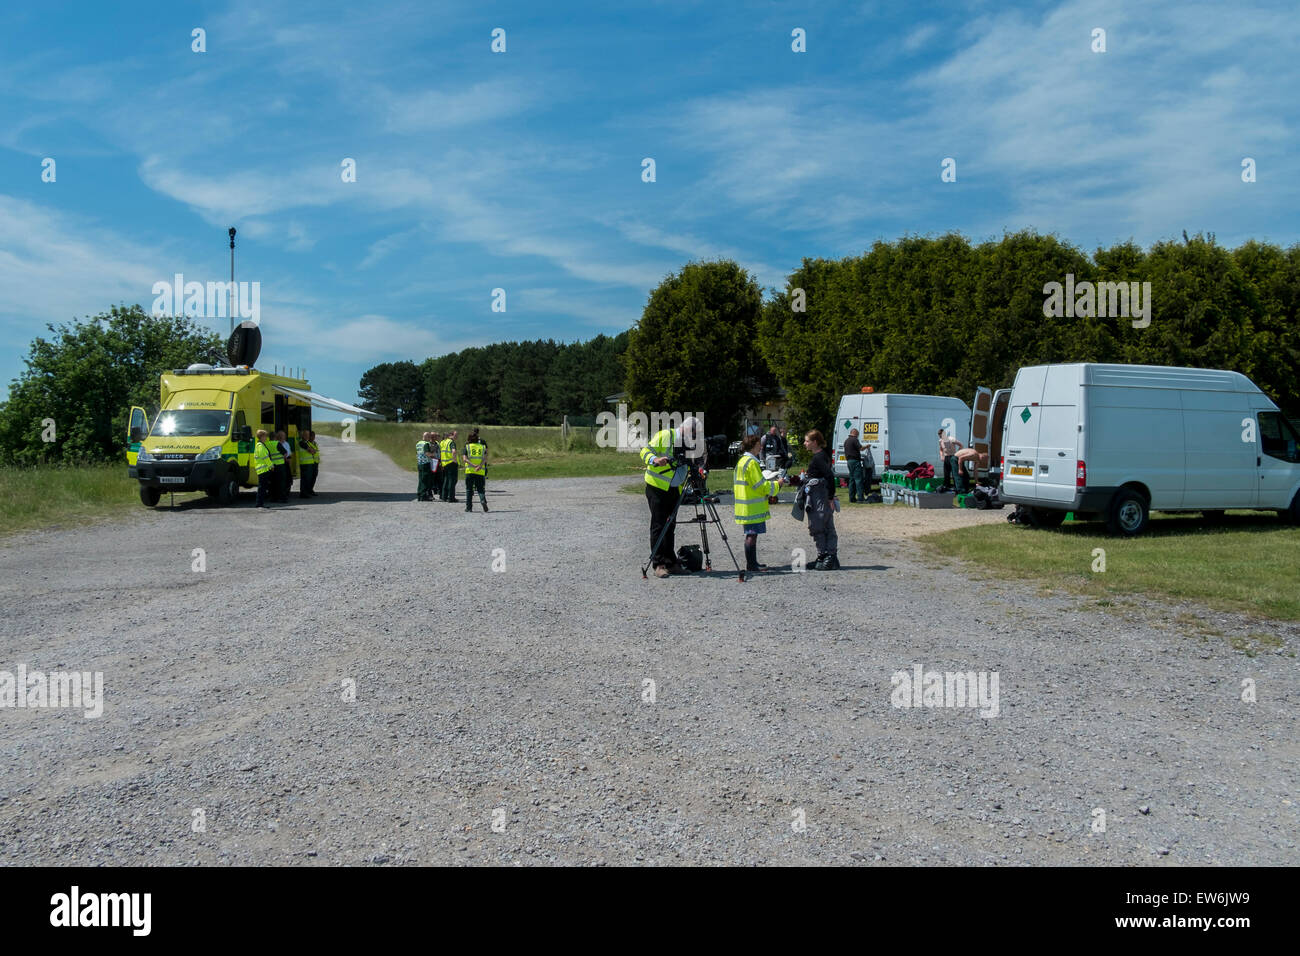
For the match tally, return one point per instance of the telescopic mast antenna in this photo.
(231, 290)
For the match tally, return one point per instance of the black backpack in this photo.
(691, 557)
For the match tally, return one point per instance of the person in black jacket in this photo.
(775, 444)
(820, 504)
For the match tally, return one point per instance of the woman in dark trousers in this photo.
(819, 485)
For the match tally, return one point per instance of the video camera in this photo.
(691, 474)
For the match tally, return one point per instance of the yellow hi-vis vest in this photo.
(475, 451)
(262, 460)
(308, 454)
(661, 445)
(447, 452)
(421, 450)
(751, 491)
(277, 456)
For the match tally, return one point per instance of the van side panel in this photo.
(1220, 467)
(1136, 434)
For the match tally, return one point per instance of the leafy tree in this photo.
(694, 348)
(87, 375)
(394, 390)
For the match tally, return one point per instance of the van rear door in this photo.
(981, 425)
(848, 417)
(1059, 427)
(1023, 419)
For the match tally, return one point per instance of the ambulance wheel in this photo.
(228, 492)
(150, 496)
(1129, 513)
(1046, 517)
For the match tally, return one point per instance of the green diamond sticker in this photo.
(1024, 416)
(847, 423)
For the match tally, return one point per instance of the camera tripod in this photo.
(705, 504)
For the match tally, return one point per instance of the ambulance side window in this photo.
(268, 413)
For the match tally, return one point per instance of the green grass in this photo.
(513, 451)
(45, 497)
(1248, 563)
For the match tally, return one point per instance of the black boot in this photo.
(831, 562)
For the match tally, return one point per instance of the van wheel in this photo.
(1129, 513)
(228, 492)
(1046, 517)
(150, 496)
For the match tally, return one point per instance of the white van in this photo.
(1120, 441)
(899, 428)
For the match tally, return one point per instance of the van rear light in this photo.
(1080, 474)
(886, 457)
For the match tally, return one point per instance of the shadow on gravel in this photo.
(1174, 525)
(321, 498)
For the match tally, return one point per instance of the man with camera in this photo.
(662, 455)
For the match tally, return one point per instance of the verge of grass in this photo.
(513, 451)
(44, 497)
(1248, 563)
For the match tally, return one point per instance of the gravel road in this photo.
(504, 716)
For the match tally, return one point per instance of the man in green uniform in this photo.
(424, 490)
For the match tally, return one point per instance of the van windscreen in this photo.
(190, 423)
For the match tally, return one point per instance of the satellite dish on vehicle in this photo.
(244, 344)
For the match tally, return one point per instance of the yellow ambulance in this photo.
(203, 435)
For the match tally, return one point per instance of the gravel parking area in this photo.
(505, 716)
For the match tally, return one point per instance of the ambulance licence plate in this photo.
(1025, 470)
(167, 480)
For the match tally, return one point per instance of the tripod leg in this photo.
(712, 511)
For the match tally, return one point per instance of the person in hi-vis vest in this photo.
(308, 464)
(447, 460)
(658, 455)
(264, 464)
(752, 492)
(475, 458)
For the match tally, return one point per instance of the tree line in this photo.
(928, 315)
(506, 383)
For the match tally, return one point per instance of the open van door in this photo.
(981, 424)
(136, 429)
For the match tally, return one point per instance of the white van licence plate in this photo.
(1026, 471)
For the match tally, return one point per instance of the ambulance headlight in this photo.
(212, 454)
(143, 455)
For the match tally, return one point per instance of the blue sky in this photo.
(522, 170)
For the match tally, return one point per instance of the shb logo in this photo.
(103, 909)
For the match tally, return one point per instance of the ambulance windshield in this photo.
(190, 423)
